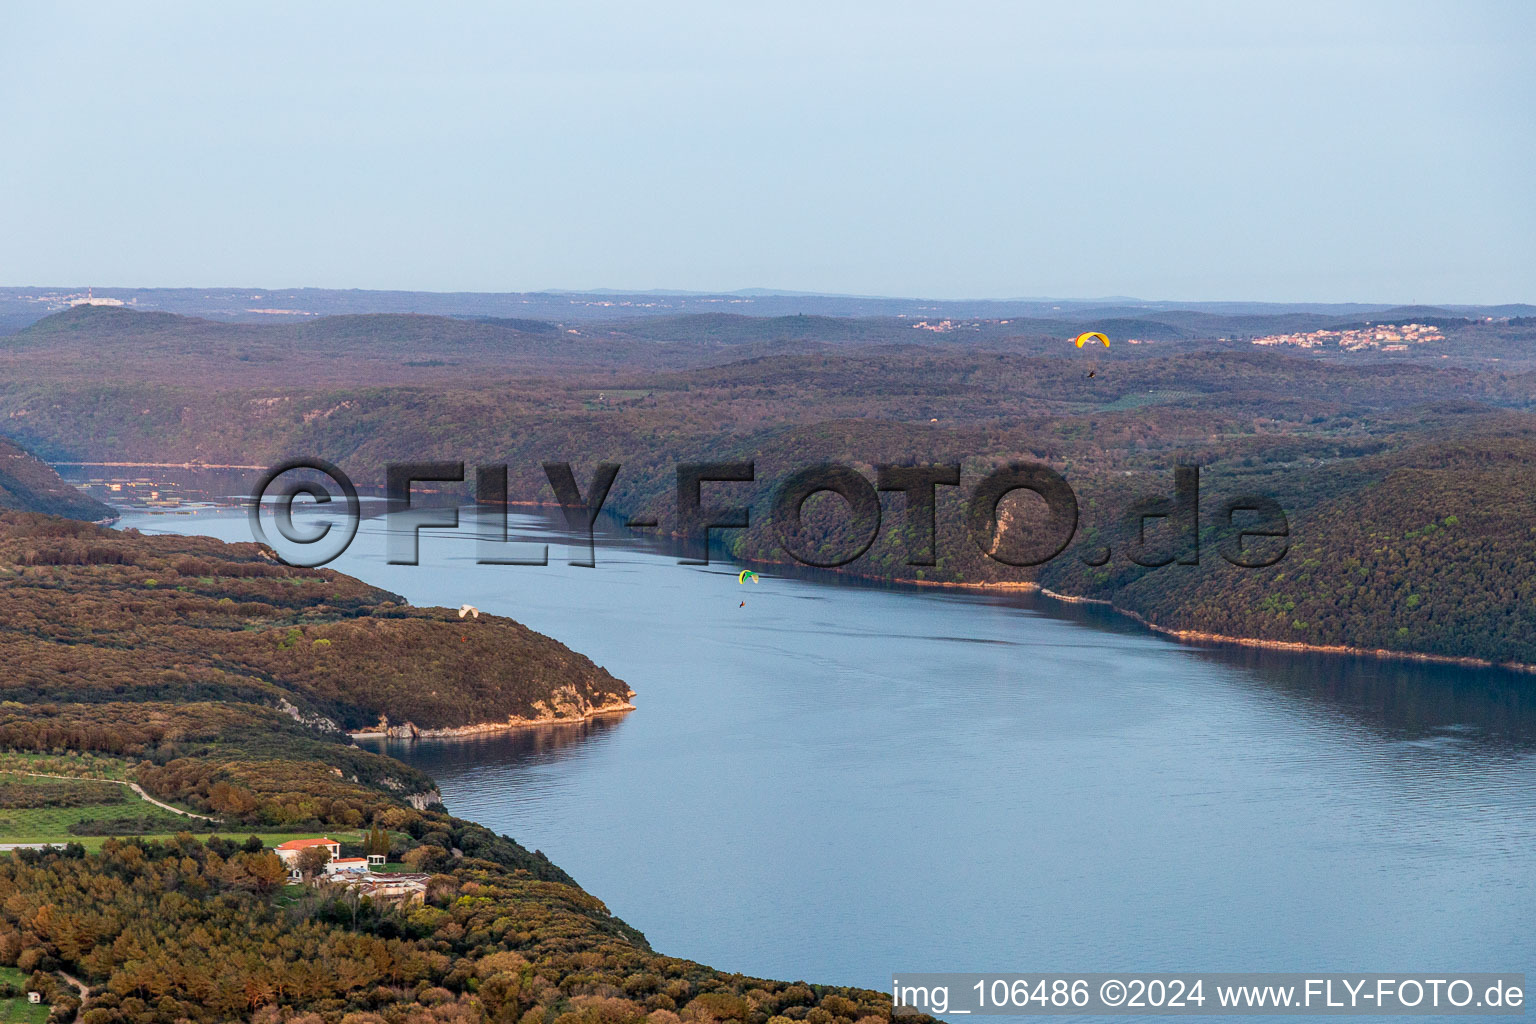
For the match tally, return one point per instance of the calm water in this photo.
(838, 781)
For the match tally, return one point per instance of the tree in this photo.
(377, 841)
(426, 858)
(312, 861)
(267, 871)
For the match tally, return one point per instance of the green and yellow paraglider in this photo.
(746, 574)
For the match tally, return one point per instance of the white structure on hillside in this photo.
(289, 852)
(347, 865)
(92, 300)
(393, 888)
(356, 873)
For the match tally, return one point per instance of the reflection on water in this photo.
(535, 745)
(841, 780)
(1402, 699)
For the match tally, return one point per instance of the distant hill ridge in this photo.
(378, 329)
(22, 306)
(408, 333)
(1330, 431)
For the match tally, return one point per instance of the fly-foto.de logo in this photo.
(1248, 530)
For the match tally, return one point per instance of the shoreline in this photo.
(1294, 646)
(1193, 636)
(513, 723)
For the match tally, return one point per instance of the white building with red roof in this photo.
(337, 868)
(289, 852)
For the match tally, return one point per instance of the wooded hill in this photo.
(212, 676)
(29, 485)
(1365, 451)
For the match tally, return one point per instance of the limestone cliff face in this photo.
(565, 704)
(314, 721)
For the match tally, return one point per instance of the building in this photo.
(289, 852)
(348, 865)
(354, 872)
(91, 300)
(400, 888)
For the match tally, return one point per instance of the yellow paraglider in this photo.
(1083, 339)
(746, 574)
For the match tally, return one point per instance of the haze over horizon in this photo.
(107, 290)
(1370, 152)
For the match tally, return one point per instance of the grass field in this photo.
(51, 824)
(289, 894)
(19, 1009)
(270, 839)
(82, 766)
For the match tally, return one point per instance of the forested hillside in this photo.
(1369, 453)
(89, 614)
(29, 485)
(211, 676)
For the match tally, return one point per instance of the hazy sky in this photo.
(1283, 151)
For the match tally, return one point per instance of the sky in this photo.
(1334, 151)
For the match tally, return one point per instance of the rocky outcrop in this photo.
(314, 721)
(565, 705)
